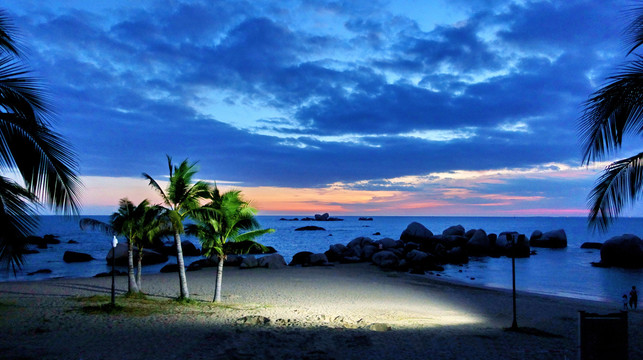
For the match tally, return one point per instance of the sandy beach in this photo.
(352, 311)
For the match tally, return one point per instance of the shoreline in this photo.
(314, 312)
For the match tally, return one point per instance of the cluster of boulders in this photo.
(420, 250)
(317, 217)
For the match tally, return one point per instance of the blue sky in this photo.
(356, 107)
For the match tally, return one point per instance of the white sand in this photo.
(314, 313)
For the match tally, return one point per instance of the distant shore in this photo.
(351, 311)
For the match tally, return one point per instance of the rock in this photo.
(520, 248)
(503, 240)
(456, 255)
(149, 257)
(293, 219)
(536, 235)
(591, 245)
(189, 249)
(301, 258)
(41, 271)
(51, 239)
(457, 230)
(415, 232)
(272, 261)
(368, 251)
(73, 256)
(170, 268)
(72, 242)
(623, 251)
(310, 228)
(322, 217)
(195, 266)
(318, 260)
(338, 252)
(386, 243)
(116, 273)
(478, 243)
(232, 260)
(556, 239)
(206, 263)
(249, 262)
(377, 234)
(385, 259)
(365, 219)
(248, 247)
(470, 233)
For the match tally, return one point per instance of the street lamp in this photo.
(114, 243)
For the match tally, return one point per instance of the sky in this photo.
(437, 107)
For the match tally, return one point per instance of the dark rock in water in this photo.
(170, 268)
(301, 258)
(478, 243)
(323, 217)
(386, 243)
(457, 255)
(377, 234)
(318, 259)
(310, 228)
(149, 257)
(51, 239)
(556, 239)
(72, 242)
(415, 232)
(293, 219)
(73, 256)
(193, 267)
(365, 219)
(520, 247)
(272, 261)
(41, 271)
(248, 247)
(188, 248)
(457, 230)
(592, 245)
(623, 251)
(206, 263)
(116, 273)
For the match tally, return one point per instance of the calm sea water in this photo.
(564, 272)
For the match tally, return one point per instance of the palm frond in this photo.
(611, 112)
(17, 221)
(157, 188)
(7, 34)
(92, 224)
(619, 185)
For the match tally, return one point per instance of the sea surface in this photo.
(562, 272)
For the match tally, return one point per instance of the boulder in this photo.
(232, 260)
(322, 217)
(189, 249)
(195, 266)
(469, 233)
(536, 235)
(457, 255)
(623, 251)
(249, 262)
(556, 239)
(310, 228)
(457, 230)
(385, 259)
(318, 259)
(170, 268)
(520, 247)
(386, 243)
(248, 247)
(415, 232)
(301, 258)
(272, 261)
(51, 239)
(73, 256)
(72, 242)
(368, 251)
(338, 252)
(206, 263)
(591, 245)
(149, 257)
(41, 271)
(504, 239)
(478, 243)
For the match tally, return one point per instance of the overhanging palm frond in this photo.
(157, 188)
(611, 112)
(634, 32)
(92, 224)
(252, 234)
(7, 30)
(16, 221)
(619, 185)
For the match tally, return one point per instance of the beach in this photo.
(346, 311)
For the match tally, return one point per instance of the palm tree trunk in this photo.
(183, 281)
(217, 285)
(131, 280)
(140, 268)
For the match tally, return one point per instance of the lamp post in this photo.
(514, 324)
(114, 243)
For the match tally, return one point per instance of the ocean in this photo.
(562, 272)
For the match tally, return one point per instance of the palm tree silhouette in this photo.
(180, 198)
(41, 158)
(611, 112)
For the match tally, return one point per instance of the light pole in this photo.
(114, 243)
(512, 253)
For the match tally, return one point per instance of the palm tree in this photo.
(611, 112)
(224, 219)
(180, 198)
(43, 160)
(149, 231)
(135, 223)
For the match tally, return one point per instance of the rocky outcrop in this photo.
(188, 248)
(249, 262)
(457, 230)
(415, 232)
(272, 261)
(591, 245)
(622, 251)
(149, 257)
(73, 257)
(310, 228)
(556, 239)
